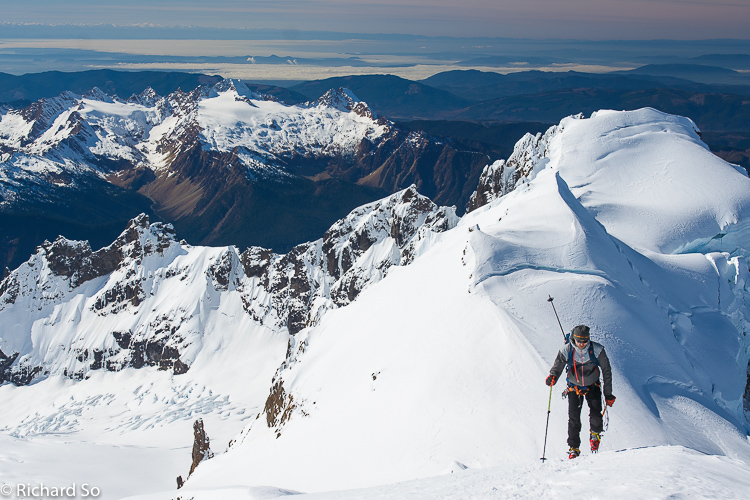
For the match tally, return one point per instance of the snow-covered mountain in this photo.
(216, 157)
(93, 131)
(146, 300)
(407, 343)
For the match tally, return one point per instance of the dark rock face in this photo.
(278, 407)
(223, 272)
(288, 280)
(9, 290)
(76, 261)
(255, 261)
(5, 364)
(17, 371)
(158, 352)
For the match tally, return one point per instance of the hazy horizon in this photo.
(537, 19)
(229, 39)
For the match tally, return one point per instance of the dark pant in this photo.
(575, 402)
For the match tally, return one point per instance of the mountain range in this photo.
(405, 342)
(224, 164)
(116, 185)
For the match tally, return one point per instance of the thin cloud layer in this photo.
(571, 19)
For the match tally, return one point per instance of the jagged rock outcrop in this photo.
(59, 272)
(502, 176)
(201, 445)
(201, 449)
(356, 251)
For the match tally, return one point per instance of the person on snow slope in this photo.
(583, 359)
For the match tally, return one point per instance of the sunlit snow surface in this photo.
(432, 381)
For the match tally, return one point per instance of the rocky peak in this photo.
(501, 177)
(390, 225)
(233, 84)
(142, 238)
(242, 91)
(396, 217)
(44, 111)
(344, 99)
(201, 445)
(97, 94)
(182, 104)
(76, 261)
(147, 98)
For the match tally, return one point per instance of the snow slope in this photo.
(438, 366)
(158, 333)
(652, 472)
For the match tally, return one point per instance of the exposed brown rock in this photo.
(278, 407)
(201, 445)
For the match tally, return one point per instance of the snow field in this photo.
(662, 472)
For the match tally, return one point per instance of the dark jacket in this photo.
(584, 371)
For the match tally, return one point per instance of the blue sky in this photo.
(573, 19)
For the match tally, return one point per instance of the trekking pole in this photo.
(549, 405)
(550, 300)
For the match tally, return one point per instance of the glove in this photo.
(551, 379)
(610, 400)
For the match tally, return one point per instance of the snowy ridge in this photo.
(146, 299)
(437, 367)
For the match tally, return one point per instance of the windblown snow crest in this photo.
(146, 299)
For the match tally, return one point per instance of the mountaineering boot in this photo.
(573, 452)
(595, 440)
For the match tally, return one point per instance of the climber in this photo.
(583, 359)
